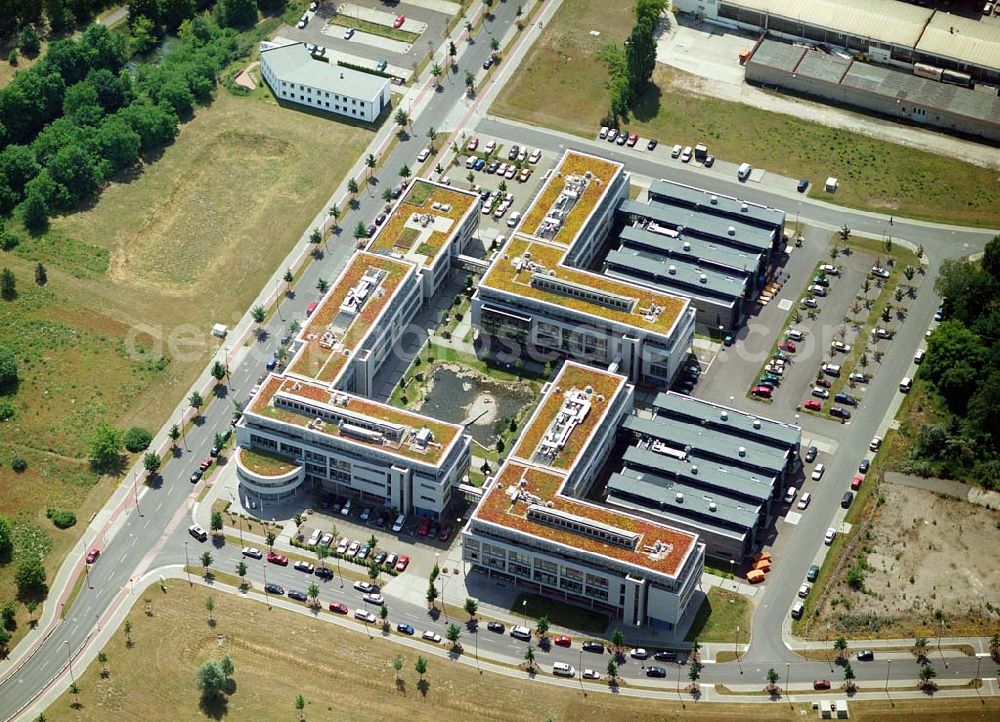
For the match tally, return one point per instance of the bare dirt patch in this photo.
(927, 563)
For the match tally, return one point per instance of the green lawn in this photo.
(386, 31)
(562, 85)
(721, 612)
(559, 614)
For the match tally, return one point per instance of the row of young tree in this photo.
(77, 117)
(963, 367)
(631, 66)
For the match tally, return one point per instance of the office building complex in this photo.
(536, 527)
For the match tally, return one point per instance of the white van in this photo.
(397, 525)
(906, 384)
(817, 473)
(794, 334)
(315, 537)
(562, 669)
(744, 171)
(918, 357)
(519, 632)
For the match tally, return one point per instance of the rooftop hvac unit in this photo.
(756, 423)
(724, 415)
(680, 498)
(732, 230)
(712, 506)
(549, 504)
(714, 200)
(672, 270)
(687, 246)
(694, 469)
(703, 278)
(743, 451)
(744, 208)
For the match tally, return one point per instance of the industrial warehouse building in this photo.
(707, 469)
(891, 32)
(712, 248)
(879, 89)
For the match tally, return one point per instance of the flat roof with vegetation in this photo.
(403, 236)
(266, 463)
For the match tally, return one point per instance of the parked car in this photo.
(831, 534)
(390, 560)
(274, 589)
(405, 628)
(791, 494)
(253, 553)
(651, 145)
(811, 454)
(92, 555)
(709, 161)
(841, 346)
(398, 22)
(364, 615)
(810, 302)
(802, 185)
(840, 412)
(812, 404)
(675, 152)
(858, 377)
(496, 627)
(591, 674)
(198, 533)
(445, 534)
(279, 559)
(338, 608)
(821, 684)
(864, 465)
(592, 646)
(686, 154)
(304, 567)
(817, 472)
(382, 65)
(431, 636)
(797, 609)
(654, 671)
(297, 595)
(824, 382)
(856, 482)
(423, 155)
(348, 33)
(880, 272)
(813, 573)
(536, 155)
(845, 398)
(402, 563)
(762, 391)
(639, 653)
(562, 640)
(633, 139)
(804, 500)
(831, 369)
(622, 139)
(820, 393)
(787, 346)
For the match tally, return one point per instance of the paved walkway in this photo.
(956, 489)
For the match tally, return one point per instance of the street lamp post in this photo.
(943, 659)
(887, 668)
(524, 611)
(69, 662)
(788, 692)
(267, 598)
(732, 562)
(739, 660)
(135, 491)
(187, 563)
(581, 673)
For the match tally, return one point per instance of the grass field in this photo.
(558, 613)
(187, 242)
(562, 85)
(278, 655)
(720, 614)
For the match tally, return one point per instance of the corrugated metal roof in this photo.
(817, 64)
(964, 39)
(886, 21)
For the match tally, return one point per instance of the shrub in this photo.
(6, 409)
(62, 518)
(137, 439)
(18, 463)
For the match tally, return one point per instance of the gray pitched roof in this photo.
(294, 64)
(714, 204)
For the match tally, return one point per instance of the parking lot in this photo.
(327, 25)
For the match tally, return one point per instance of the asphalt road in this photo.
(155, 536)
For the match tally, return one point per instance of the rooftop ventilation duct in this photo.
(694, 469)
(712, 506)
(672, 270)
(724, 415)
(732, 230)
(756, 423)
(687, 246)
(744, 208)
(714, 200)
(743, 451)
(680, 498)
(703, 278)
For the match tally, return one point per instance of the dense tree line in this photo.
(963, 366)
(62, 15)
(631, 67)
(77, 117)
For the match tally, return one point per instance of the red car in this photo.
(562, 640)
(821, 684)
(812, 405)
(276, 558)
(92, 555)
(856, 482)
(400, 19)
(402, 563)
(764, 391)
(205, 463)
(445, 534)
(425, 525)
(787, 346)
(632, 140)
(824, 382)
(338, 607)
(473, 143)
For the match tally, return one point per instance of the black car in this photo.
(433, 531)
(654, 671)
(214, 452)
(371, 230)
(846, 500)
(665, 656)
(843, 398)
(651, 144)
(622, 139)
(196, 476)
(492, 167)
(811, 454)
(839, 412)
(380, 219)
(863, 466)
(512, 153)
(488, 63)
(404, 628)
(866, 655)
(296, 594)
(496, 627)
(802, 185)
(380, 519)
(274, 589)
(323, 573)
(593, 647)
(709, 161)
